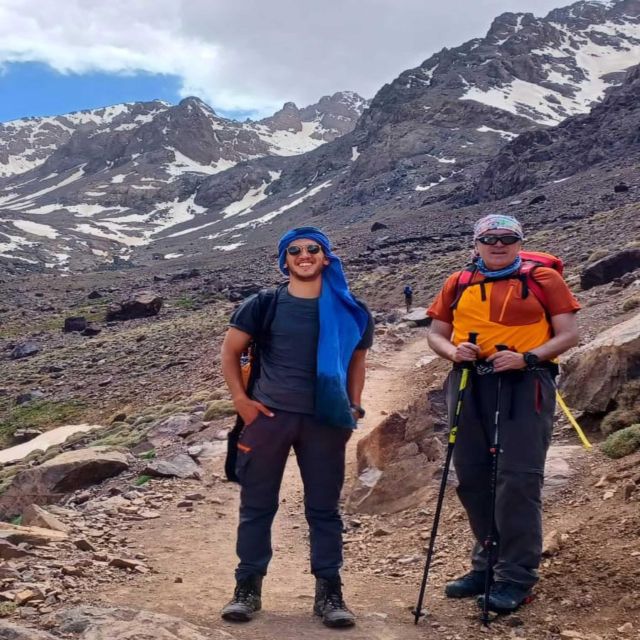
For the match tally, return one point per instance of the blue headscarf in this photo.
(343, 322)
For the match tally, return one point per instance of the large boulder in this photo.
(610, 268)
(397, 463)
(142, 305)
(67, 472)
(596, 373)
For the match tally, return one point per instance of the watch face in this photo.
(531, 358)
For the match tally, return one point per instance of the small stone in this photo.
(185, 504)
(380, 532)
(124, 563)
(627, 627)
(194, 496)
(24, 596)
(178, 580)
(551, 544)
(628, 489)
(84, 545)
(608, 495)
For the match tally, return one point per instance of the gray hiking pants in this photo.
(263, 450)
(527, 407)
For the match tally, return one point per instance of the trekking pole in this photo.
(490, 542)
(453, 432)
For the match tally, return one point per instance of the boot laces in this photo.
(244, 593)
(333, 598)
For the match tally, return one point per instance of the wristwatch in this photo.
(531, 359)
(358, 410)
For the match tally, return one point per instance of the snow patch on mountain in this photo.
(35, 228)
(251, 198)
(292, 143)
(575, 71)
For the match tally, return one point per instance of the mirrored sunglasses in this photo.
(296, 250)
(491, 240)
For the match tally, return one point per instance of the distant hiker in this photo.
(524, 315)
(408, 296)
(307, 396)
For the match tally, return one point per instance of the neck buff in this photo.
(343, 321)
(500, 273)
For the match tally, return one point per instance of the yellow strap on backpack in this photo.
(573, 421)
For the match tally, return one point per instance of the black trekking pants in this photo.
(527, 406)
(263, 450)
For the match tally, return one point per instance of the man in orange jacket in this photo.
(519, 337)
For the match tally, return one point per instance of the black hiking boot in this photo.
(329, 604)
(506, 597)
(246, 600)
(470, 584)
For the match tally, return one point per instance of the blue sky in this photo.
(35, 89)
(244, 59)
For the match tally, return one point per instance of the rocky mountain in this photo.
(610, 133)
(187, 181)
(434, 127)
(136, 167)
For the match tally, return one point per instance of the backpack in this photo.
(531, 260)
(408, 291)
(250, 367)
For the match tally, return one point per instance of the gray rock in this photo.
(24, 350)
(172, 428)
(142, 305)
(180, 466)
(609, 268)
(29, 396)
(12, 631)
(75, 323)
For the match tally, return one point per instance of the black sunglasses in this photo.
(491, 240)
(296, 250)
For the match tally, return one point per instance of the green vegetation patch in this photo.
(141, 480)
(219, 409)
(623, 442)
(43, 414)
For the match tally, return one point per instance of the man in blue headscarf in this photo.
(306, 395)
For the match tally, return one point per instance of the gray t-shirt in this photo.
(288, 359)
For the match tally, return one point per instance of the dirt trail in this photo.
(198, 547)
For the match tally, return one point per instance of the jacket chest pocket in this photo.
(509, 308)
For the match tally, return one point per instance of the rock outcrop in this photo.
(397, 463)
(610, 267)
(48, 482)
(597, 373)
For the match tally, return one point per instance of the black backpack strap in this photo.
(265, 313)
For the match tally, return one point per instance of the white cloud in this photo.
(247, 55)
